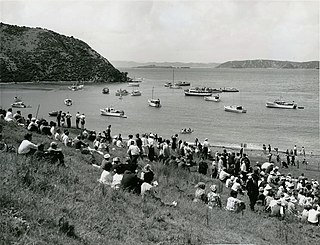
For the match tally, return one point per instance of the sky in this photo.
(184, 31)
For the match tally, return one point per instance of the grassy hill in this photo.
(45, 204)
(36, 54)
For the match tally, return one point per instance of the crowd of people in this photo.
(267, 188)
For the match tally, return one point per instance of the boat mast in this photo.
(152, 93)
(173, 76)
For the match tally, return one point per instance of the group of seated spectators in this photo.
(268, 190)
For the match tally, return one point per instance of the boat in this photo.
(279, 103)
(183, 83)
(133, 84)
(53, 113)
(154, 102)
(215, 90)
(122, 92)
(135, 93)
(105, 90)
(68, 102)
(215, 98)
(111, 112)
(175, 86)
(17, 99)
(197, 92)
(76, 87)
(235, 108)
(168, 84)
(186, 131)
(19, 104)
(229, 90)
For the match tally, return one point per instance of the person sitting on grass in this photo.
(33, 125)
(234, 204)
(213, 197)
(200, 194)
(106, 175)
(27, 147)
(55, 154)
(131, 182)
(78, 143)
(314, 215)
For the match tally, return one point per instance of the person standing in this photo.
(77, 120)
(269, 148)
(68, 117)
(205, 149)
(108, 134)
(295, 151)
(82, 121)
(59, 118)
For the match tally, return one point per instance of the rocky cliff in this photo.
(36, 54)
(270, 64)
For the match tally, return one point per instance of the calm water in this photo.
(280, 128)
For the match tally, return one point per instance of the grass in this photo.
(45, 204)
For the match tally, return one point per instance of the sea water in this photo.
(260, 125)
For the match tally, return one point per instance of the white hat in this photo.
(106, 156)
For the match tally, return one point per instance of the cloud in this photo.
(204, 31)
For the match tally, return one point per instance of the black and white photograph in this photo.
(159, 122)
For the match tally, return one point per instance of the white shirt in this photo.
(9, 116)
(106, 178)
(65, 139)
(26, 146)
(313, 216)
(134, 150)
(232, 204)
(116, 181)
(145, 187)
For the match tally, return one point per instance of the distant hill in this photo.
(36, 54)
(270, 64)
(133, 64)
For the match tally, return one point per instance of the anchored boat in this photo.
(281, 104)
(235, 108)
(111, 112)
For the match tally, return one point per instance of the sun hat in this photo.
(116, 159)
(33, 119)
(200, 185)
(213, 188)
(268, 187)
(106, 156)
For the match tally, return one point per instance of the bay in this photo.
(280, 128)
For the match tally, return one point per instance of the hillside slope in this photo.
(36, 54)
(41, 203)
(270, 64)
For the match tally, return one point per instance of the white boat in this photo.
(111, 112)
(168, 84)
(183, 83)
(122, 92)
(281, 104)
(19, 104)
(154, 102)
(175, 86)
(135, 93)
(215, 98)
(133, 84)
(235, 108)
(197, 92)
(68, 102)
(229, 90)
(186, 131)
(76, 87)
